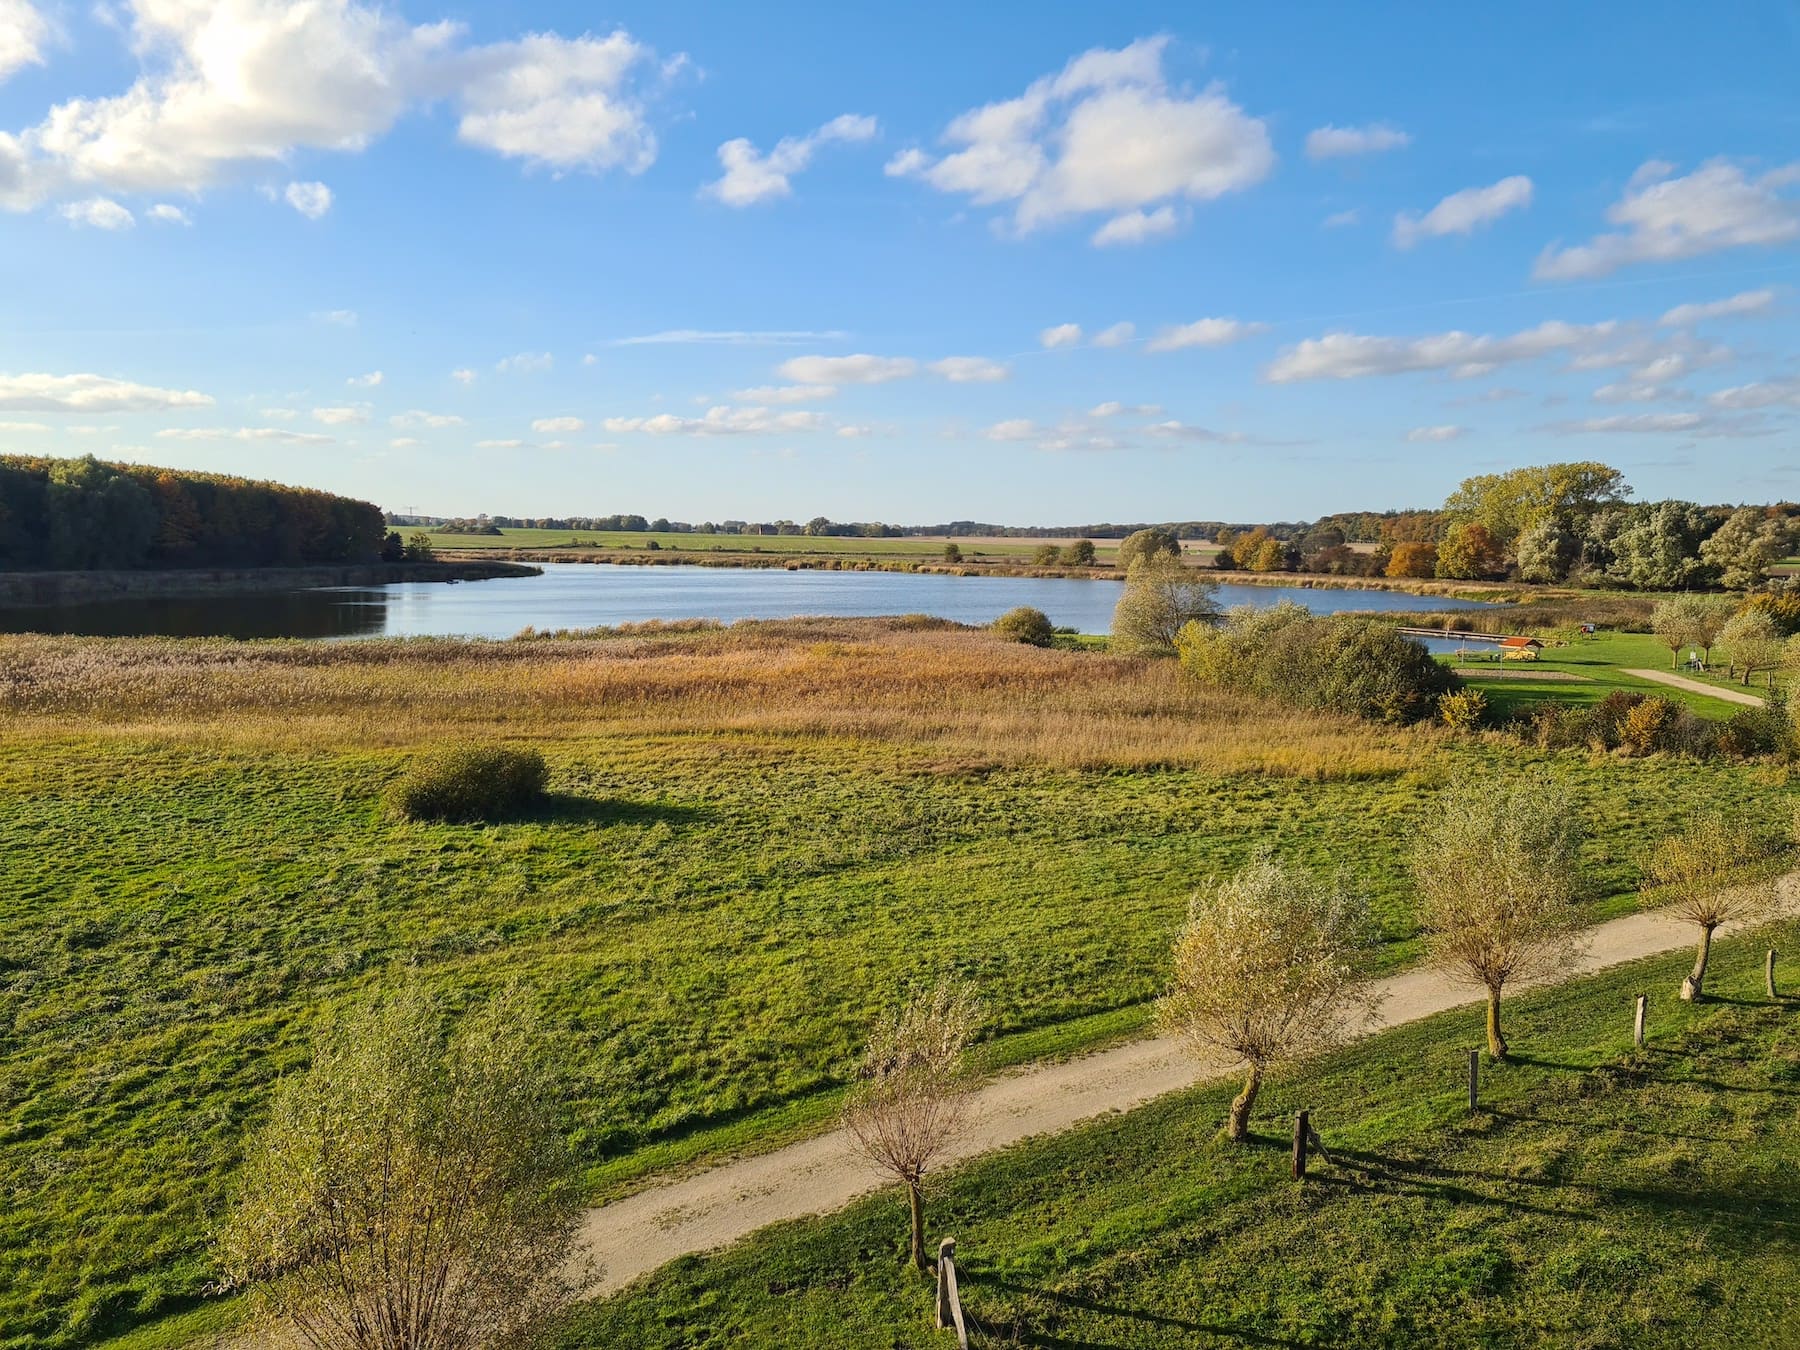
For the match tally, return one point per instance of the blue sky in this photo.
(1045, 263)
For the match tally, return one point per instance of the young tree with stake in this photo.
(912, 1101)
(1265, 973)
(1711, 873)
(1498, 874)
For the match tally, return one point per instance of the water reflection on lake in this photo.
(585, 595)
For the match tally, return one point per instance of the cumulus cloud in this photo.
(1761, 394)
(23, 34)
(556, 425)
(751, 176)
(90, 394)
(723, 420)
(1105, 135)
(1061, 335)
(1138, 227)
(1203, 333)
(1013, 429)
(1464, 212)
(1438, 433)
(369, 381)
(165, 214)
(418, 417)
(340, 417)
(1662, 218)
(860, 368)
(1745, 302)
(311, 200)
(225, 85)
(1330, 142)
(785, 393)
(1116, 336)
(524, 362)
(281, 434)
(1348, 356)
(970, 370)
(99, 213)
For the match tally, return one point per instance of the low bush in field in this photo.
(471, 783)
(1025, 624)
(1645, 724)
(1343, 663)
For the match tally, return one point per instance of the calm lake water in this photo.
(586, 595)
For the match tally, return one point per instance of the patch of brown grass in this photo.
(946, 696)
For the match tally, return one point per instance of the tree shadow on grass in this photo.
(562, 808)
(1028, 1336)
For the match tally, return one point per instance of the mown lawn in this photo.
(1603, 1197)
(1601, 661)
(711, 917)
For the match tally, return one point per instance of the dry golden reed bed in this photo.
(950, 697)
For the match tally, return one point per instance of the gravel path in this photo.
(1698, 687)
(818, 1175)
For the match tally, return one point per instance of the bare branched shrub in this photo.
(410, 1192)
(913, 1098)
(1498, 871)
(1265, 972)
(1711, 873)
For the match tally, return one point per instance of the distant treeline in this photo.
(79, 514)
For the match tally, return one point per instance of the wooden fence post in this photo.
(1769, 973)
(1637, 1022)
(1302, 1132)
(1474, 1080)
(949, 1298)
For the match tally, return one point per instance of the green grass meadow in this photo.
(1601, 662)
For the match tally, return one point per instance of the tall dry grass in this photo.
(945, 698)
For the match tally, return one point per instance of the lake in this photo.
(587, 595)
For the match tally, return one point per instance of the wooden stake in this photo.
(1474, 1080)
(1302, 1133)
(1637, 1023)
(945, 1282)
(1769, 973)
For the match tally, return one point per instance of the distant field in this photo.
(921, 547)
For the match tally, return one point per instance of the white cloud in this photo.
(1664, 219)
(280, 434)
(225, 85)
(89, 394)
(404, 443)
(513, 444)
(1347, 356)
(1116, 336)
(1339, 219)
(732, 337)
(1203, 333)
(1186, 431)
(721, 421)
(1745, 302)
(165, 214)
(418, 417)
(589, 359)
(1106, 134)
(340, 417)
(1438, 433)
(1138, 227)
(839, 370)
(370, 381)
(1464, 212)
(1635, 422)
(1014, 429)
(1062, 335)
(338, 318)
(100, 213)
(555, 425)
(1762, 394)
(853, 433)
(23, 34)
(311, 200)
(1329, 142)
(751, 176)
(22, 428)
(1640, 391)
(1113, 408)
(280, 414)
(463, 375)
(785, 393)
(970, 370)
(524, 362)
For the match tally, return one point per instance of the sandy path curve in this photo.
(1698, 687)
(717, 1207)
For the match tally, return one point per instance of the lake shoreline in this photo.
(47, 590)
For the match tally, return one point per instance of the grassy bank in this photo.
(756, 835)
(1604, 1197)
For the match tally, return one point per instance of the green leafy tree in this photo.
(1679, 622)
(418, 547)
(1045, 555)
(1746, 546)
(1146, 543)
(1508, 504)
(1498, 871)
(1467, 552)
(1658, 548)
(410, 1191)
(1752, 641)
(1265, 973)
(1547, 552)
(952, 552)
(1161, 597)
(1080, 553)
